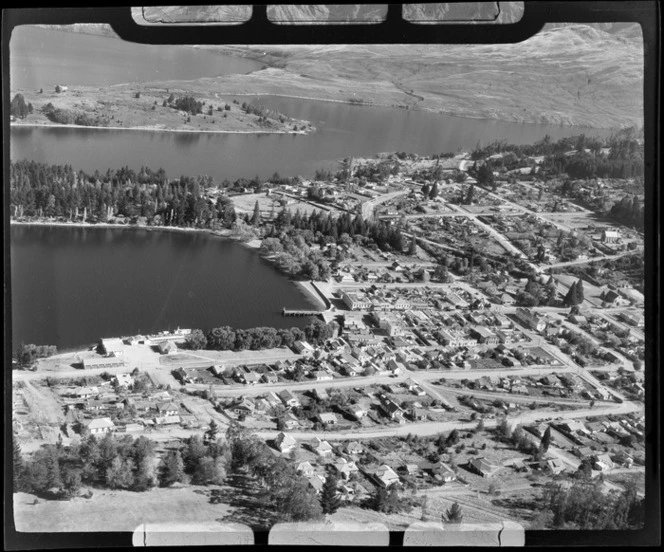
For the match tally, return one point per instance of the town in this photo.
(480, 337)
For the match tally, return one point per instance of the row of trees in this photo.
(225, 338)
(110, 462)
(26, 355)
(41, 190)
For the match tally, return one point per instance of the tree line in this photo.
(225, 338)
(27, 354)
(19, 108)
(40, 190)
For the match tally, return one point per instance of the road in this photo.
(433, 428)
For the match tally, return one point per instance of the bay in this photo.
(73, 285)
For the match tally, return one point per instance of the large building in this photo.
(112, 346)
(530, 319)
(355, 301)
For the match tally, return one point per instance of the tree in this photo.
(471, 195)
(570, 298)
(452, 438)
(480, 425)
(578, 293)
(329, 498)
(412, 249)
(196, 340)
(433, 194)
(256, 218)
(119, 474)
(485, 177)
(211, 433)
(454, 514)
(171, 469)
(58, 89)
(546, 439)
(18, 467)
(19, 108)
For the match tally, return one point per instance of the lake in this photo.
(71, 285)
(42, 58)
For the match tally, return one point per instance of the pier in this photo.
(299, 312)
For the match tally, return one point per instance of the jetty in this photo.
(299, 312)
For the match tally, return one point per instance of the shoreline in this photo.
(253, 245)
(14, 124)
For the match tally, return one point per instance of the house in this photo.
(167, 409)
(506, 299)
(123, 380)
(284, 442)
(327, 418)
(269, 377)
(186, 375)
(167, 347)
(443, 472)
(356, 411)
(385, 476)
(392, 410)
(583, 452)
(167, 420)
(290, 421)
(322, 375)
(603, 462)
(86, 392)
(322, 448)
(305, 469)
(345, 468)
(316, 482)
(353, 448)
(250, 378)
(243, 408)
(610, 236)
(288, 399)
(303, 348)
(553, 466)
(612, 298)
(97, 426)
(483, 467)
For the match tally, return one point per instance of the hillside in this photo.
(572, 74)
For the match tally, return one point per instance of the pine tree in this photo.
(433, 193)
(256, 218)
(570, 298)
(18, 467)
(454, 514)
(329, 499)
(546, 440)
(412, 249)
(578, 293)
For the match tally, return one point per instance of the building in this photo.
(322, 448)
(123, 380)
(484, 336)
(327, 418)
(481, 466)
(354, 301)
(610, 236)
(303, 348)
(284, 442)
(112, 346)
(305, 469)
(345, 468)
(103, 362)
(530, 319)
(356, 411)
(385, 476)
(288, 398)
(167, 347)
(97, 426)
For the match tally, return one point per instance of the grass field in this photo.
(116, 510)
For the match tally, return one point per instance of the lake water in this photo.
(72, 286)
(42, 58)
